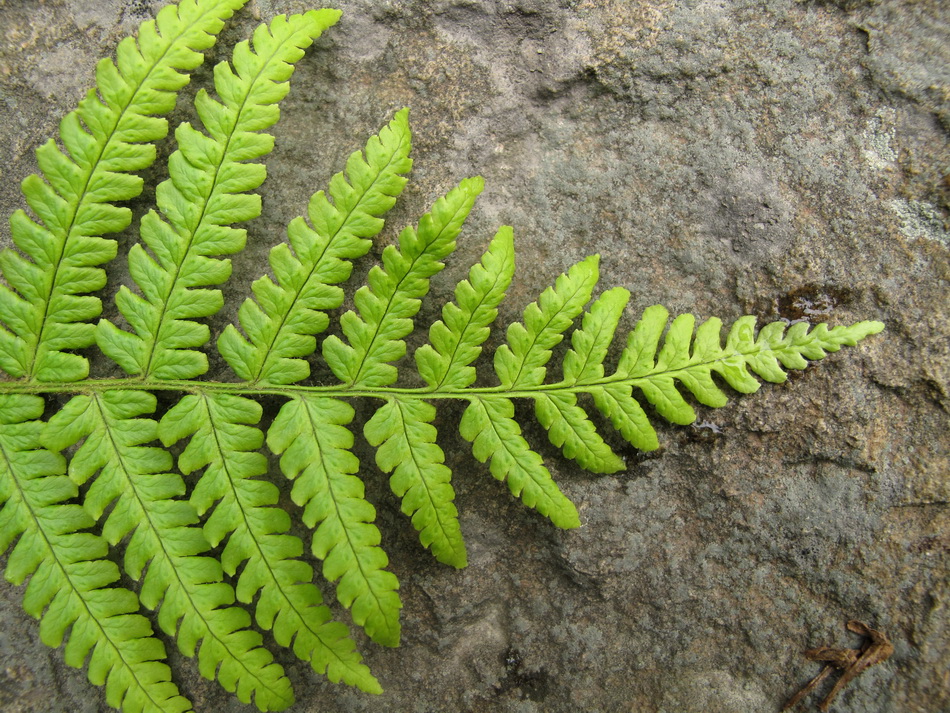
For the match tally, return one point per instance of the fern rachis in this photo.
(167, 515)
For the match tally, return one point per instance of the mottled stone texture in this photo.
(783, 159)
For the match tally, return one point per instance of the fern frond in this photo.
(521, 361)
(387, 305)
(403, 432)
(71, 578)
(489, 425)
(105, 140)
(118, 481)
(310, 436)
(224, 441)
(186, 586)
(456, 339)
(206, 192)
(280, 325)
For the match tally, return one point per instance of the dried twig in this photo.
(852, 661)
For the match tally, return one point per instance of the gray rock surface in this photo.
(783, 159)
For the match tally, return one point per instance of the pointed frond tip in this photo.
(689, 357)
(174, 494)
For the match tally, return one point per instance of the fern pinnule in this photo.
(280, 325)
(311, 437)
(404, 436)
(584, 361)
(488, 424)
(224, 441)
(394, 293)
(165, 545)
(520, 362)
(72, 582)
(111, 135)
(205, 194)
(455, 340)
(616, 402)
(570, 429)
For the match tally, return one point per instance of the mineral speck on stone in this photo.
(724, 158)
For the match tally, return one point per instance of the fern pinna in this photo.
(96, 473)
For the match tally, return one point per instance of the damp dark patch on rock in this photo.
(813, 303)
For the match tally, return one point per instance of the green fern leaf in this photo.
(393, 297)
(224, 441)
(690, 361)
(457, 338)
(402, 431)
(567, 424)
(70, 577)
(616, 402)
(311, 437)
(281, 324)
(584, 362)
(184, 584)
(166, 531)
(774, 346)
(488, 423)
(206, 192)
(105, 140)
(570, 429)
(639, 356)
(521, 361)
